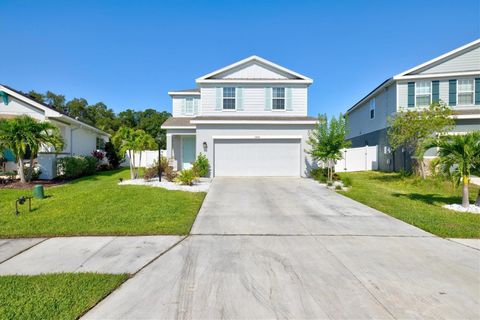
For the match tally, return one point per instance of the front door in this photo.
(188, 151)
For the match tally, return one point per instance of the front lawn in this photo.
(97, 205)
(54, 296)
(415, 201)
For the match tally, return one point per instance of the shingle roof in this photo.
(177, 122)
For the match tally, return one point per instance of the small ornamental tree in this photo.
(411, 129)
(327, 140)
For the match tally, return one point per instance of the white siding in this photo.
(254, 102)
(16, 108)
(359, 121)
(253, 70)
(469, 61)
(177, 102)
(84, 142)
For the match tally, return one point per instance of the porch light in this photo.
(205, 146)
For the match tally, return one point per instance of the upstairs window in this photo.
(423, 93)
(278, 98)
(373, 105)
(465, 91)
(188, 105)
(228, 98)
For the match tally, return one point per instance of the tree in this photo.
(25, 133)
(113, 155)
(36, 96)
(410, 129)
(327, 140)
(129, 141)
(55, 100)
(458, 156)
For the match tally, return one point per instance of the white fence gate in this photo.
(358, 159)
(148, 157)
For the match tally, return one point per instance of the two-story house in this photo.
(453, 78)
(249, 119)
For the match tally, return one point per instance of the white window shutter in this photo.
(218, 105)
(184, 105)
(195, 106)
(268, 99)
(239, 92)
(288, 99)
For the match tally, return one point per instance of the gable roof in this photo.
(295, 77)
(406, 74)
(54, 113)
(444, 57)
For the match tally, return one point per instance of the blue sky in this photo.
(128, 54)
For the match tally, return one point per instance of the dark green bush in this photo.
(201, 166)
(75, 167)
(338, 187)
(319, 174)
(113, 155)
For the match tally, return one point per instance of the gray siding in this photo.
(443, 90)
(469, 61)
(359, 121)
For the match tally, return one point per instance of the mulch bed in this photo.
(18, 185)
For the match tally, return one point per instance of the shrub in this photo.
(113, 155)
(329, 183)
(321, 174)
(98, 154)
(338, 187)
(78, 166)
(201, 166)
(186, 177)
(347, 181)
(170, 174)
(150, 172)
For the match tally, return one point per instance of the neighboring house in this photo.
(79, 137)
(453, 78)
(249, 119)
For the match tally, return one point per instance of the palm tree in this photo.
(129, 141)
(25, 133)
(459, 155)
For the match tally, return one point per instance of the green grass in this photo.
(97, 205)
(416, 201)
(54, 296)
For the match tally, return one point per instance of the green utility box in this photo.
(38, 191)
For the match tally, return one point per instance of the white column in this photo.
(169, 146)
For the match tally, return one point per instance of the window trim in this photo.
(430, 94)
(193, 106)
(276, 98)
(231, 98)
(473, 92)
(374, 108)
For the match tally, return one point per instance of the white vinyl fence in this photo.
(148, 157)
(358, 159)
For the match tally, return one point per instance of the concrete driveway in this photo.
(288, 248)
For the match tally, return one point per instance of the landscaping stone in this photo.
(458, 207)
(202, 185)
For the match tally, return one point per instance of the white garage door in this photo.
(257, 157)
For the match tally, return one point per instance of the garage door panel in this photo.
(257, 157)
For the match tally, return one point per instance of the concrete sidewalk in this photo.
(82, 254)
